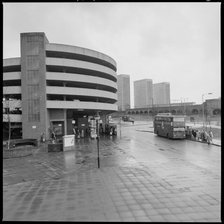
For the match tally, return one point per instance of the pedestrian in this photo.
(53, 136)
(211, 135)
(87, 131)
(78, 133)
(74, 131)
(193, 133)
(101, 129)
(198, 134)
(207, 137)
(111, 130)
(203, 135)
(107, 129)
(188, 132)
(42, 137)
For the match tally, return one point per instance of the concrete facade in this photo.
(58, 83)
(33, 84)
(143, 93)
(123, 85)
(213, 107)
(161, 93)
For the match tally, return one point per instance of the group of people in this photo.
(109, 130)
(52, 136)
(81, 133)
(76, 132)
(198, 135)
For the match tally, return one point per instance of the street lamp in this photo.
(97, 118)
(203, 109)
(181, 104)
(152, 108)
(184, 104)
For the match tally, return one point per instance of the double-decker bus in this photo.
(170, 126)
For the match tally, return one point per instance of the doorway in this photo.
(58, 127)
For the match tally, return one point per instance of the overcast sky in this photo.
(177, 43)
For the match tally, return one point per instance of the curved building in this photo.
(58, 84)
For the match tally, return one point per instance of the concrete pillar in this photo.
(65, 121)
(33, 84)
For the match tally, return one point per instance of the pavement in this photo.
(69, 186)
(216, 142)
(196, 125)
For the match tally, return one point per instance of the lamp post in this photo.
(203, 109)
(179, 103)
(152, 109)
(169, 107)
(184, 104)
(8, 116)
(97, 138)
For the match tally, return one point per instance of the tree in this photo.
(7, 117)
(10, 106)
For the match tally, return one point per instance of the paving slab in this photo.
(56, 187)
(93, 198)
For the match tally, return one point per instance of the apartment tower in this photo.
(143, 93)
(123, 86)
(161, 93)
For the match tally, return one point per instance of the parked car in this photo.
(128, 119)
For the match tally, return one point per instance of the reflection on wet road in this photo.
(142, 177)
(129, 148)
(149, 148)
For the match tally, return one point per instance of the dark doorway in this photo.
(58, 127)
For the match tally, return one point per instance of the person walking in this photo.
(187, 132)
(194, 134)
(42, 137)
(53, 136)
(207, 137)
(198, 134)
(211, 135)
(74, 131)
(203, 139)
(78, 133)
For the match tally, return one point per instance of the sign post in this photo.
(97, 138)
(120, 126)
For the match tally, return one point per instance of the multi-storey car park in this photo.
(55, 85)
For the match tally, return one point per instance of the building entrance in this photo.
(83, 127)
(58, 127)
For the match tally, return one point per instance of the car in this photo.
(128, 119)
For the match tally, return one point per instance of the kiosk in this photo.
(68, 142)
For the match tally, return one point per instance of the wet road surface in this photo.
(142, 177)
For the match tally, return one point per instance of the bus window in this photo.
(178, 119)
